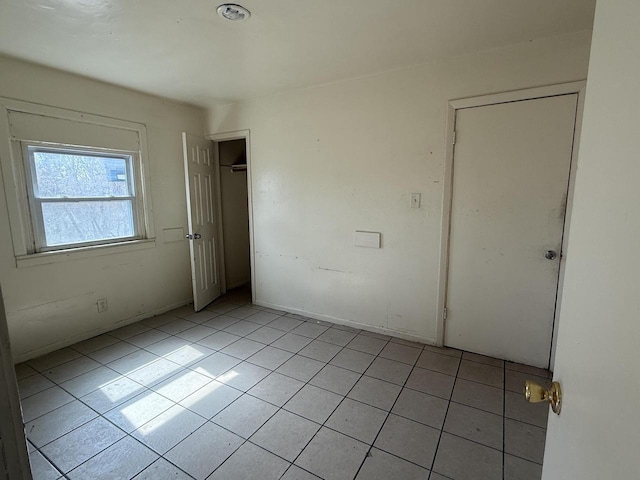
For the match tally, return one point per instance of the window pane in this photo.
(61, 174)
(79, 222)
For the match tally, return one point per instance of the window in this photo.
(77, 184)
(81, 197)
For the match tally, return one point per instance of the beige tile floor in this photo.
(242, 392)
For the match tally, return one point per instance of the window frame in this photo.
(69, 127)
(29, 148)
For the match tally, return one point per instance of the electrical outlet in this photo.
(102, 305)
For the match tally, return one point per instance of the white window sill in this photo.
(35, 259)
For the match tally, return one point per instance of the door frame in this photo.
(217, 138)
(11, 424)
(578, 88)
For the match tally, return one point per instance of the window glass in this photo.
(82, 222)
(61, 174)
(81, 197)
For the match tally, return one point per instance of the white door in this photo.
(201, 209)
(595, 436)
(510, 179)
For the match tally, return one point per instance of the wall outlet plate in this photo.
(102, 305)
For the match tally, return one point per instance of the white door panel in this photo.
(200, 185)
(595, 436)
(510, 179)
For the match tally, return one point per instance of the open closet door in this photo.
(199, 171)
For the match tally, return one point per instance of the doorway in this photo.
(232, 155)
(218, 185)
(509, 186)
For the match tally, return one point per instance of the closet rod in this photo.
(236, 168)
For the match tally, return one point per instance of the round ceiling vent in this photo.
(233, 12)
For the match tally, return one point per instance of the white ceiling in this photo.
(182, 50)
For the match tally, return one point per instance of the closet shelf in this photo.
(236, 168)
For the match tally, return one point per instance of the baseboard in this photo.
(23, 357)
(349, 323)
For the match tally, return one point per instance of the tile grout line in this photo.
(312, 321)
(206, 419)
(176, 335)
(388, 415)
(444, 420)
(359, 331)
(230, 386)
(149, 388)
(279, 408)
(128, 434)
(188, 367)
(504, 416)
(79, 399)
(345, 346)
(99, 415)
(62, 475)
(337, 406)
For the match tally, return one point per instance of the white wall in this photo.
(598, 355)
(53, 305)
(235, 215)
(332, 159)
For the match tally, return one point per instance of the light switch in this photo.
(366, 239)
(414, 200)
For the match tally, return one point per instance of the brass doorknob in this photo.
(534, 393)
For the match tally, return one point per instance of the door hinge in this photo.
(453, 140)
(444, 314)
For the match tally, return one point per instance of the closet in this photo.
(235, 212)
